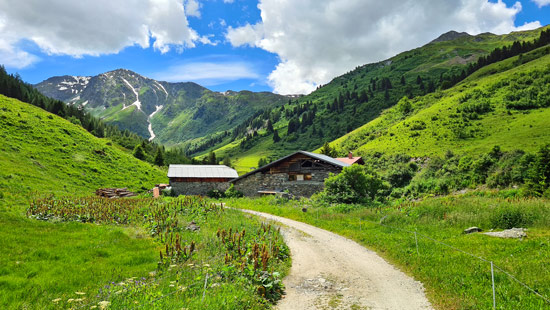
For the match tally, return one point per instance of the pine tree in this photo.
(159, 158)
(139, 153)
(276, 137)
(227, 161)
(328, 150)
(212, 158)
(269, 126)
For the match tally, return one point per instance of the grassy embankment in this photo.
(42, 261)
(453, 280)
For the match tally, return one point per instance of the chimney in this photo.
(350, 155)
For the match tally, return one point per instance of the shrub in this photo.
(355, 184)
(507, 218)
(231, 192)
(215, 193)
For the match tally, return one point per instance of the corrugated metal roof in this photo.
(322, 157)
(326, 158)
(201, 171)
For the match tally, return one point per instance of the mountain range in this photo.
(169, 113)
(246, 126)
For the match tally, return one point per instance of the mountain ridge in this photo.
(164, 111)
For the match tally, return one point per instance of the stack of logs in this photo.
(114, 192)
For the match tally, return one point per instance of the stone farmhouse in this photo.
(199, 179)
(302, 174)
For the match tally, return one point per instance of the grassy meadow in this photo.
(453, 280)
(62, 250)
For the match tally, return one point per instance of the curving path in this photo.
(331, 272)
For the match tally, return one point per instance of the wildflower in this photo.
(103, 304)
(56, 300)
(171, 285)
(80, 293)
(70, 300)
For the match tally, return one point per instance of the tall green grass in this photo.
(453, 279)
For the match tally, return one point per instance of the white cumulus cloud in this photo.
(318, 40)
(541, 3)
(77, 28)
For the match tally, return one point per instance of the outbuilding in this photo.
(200, 179)
(301, 174)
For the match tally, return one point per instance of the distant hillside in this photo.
(505, 104)
(171, 113)
(360, 96)
(43, 153)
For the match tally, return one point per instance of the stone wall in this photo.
(197, 188)
(259, 181)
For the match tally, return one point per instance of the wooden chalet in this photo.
(199, 179)
(301, 174)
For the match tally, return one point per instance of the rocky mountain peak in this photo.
(451, 35)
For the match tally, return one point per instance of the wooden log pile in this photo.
(114, 192)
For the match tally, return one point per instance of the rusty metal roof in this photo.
(350, 161)
(201, 171)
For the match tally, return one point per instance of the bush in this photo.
(355, 184)
(507, 218)
(216, 194)
(231, 192)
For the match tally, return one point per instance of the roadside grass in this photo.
(453, 280)
(58, 262)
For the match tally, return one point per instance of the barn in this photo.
(199, 179)
(302, 174)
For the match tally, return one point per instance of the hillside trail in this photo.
(331, 272)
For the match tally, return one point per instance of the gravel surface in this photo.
(331, 272)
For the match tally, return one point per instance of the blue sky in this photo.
(272, 45)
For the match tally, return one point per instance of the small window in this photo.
(299, 177)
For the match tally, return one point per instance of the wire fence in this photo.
(492, 265)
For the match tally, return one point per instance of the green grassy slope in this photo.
(365, 97)
(44, 153)
(482, 111)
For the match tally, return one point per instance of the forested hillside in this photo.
(361, 96)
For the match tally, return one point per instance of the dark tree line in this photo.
(498, 54)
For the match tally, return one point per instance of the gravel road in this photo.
(331, 272)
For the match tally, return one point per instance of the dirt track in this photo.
(332, 272)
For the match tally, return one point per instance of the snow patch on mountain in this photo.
(150, 126)
(164, 89)
(137, 103)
